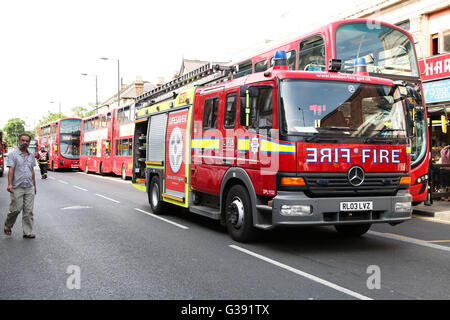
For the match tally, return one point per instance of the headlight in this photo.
(403, 207)
(296, 210)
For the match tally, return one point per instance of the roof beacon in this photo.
(361, 66)
(280, 61)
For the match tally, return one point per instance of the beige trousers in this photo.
(22, 199)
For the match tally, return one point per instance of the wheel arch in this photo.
(232, 177)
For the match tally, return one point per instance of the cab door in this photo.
(207, 159)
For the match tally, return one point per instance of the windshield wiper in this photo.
(389, 130)
(338, 128)
(378, 140)
(318, 136)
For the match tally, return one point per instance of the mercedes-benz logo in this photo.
(355, 176)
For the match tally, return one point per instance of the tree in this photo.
(13, 128)
(50, 117)
(82, 112)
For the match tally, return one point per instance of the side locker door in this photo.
(177, 148)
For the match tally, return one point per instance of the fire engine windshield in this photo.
(386, 50)
(346, 109)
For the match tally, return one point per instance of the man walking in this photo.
(21, 181)
(42, 157)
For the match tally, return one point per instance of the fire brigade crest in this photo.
(255, 144)
(176, 149)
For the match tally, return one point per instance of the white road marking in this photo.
(76, 208)
(51, 178)
(117, 179)
(409, 240)
(107, 198)
(303, 274)
(165, 220)
(80, 188)
(64, 182)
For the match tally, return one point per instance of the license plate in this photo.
(356, 206)
(75, 166)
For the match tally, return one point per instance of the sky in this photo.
(46, 45)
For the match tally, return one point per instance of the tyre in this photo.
(155, 198)
(353, 230)
(238, 214)
(124, 172)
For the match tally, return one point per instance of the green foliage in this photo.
(13, 129)
(49, 117)
(82, 112)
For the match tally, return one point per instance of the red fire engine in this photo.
(2, 152)
(279, 148)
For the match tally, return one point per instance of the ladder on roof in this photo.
(207, 74)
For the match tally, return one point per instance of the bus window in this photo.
(311, 55)
(107, 148)
(108, 120)
(291, 58)
(130, 146)
(126, 114)
(261, 66)
(120, 116)
(124, 147)
(245, 68)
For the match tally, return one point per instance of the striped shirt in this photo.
(23, 166)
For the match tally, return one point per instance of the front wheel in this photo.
(353, 230)
(238, 214)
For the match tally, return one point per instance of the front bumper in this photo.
(326, 211)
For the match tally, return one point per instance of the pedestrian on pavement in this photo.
(444, 173)
(42, 157)
(21, 186)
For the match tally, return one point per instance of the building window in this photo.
(434, 44)
(447, 41)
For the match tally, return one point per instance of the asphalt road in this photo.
(97, 239)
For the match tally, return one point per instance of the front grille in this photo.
(337, 185)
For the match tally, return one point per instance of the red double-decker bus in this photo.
(106, 142)
(389, 52)
(61, 139)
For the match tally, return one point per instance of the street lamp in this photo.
(118, 78)
(59, 109)
(96, 90)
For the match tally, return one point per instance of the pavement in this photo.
(438, 210)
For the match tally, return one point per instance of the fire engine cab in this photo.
(276, 148)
